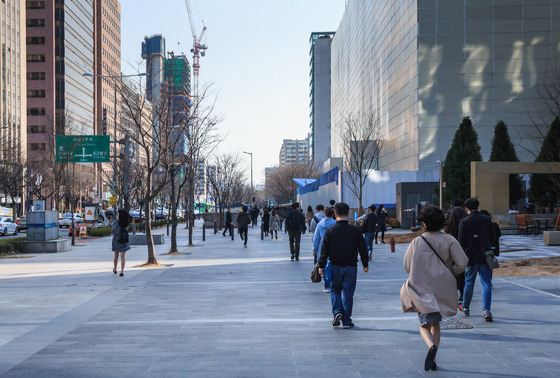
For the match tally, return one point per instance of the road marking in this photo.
(530, 288)
(261, 282)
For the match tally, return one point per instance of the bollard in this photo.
(133, 227)
(262, 233)
(392, 245)
(231, 231)
(167, 228)
(203, 232)
(215, 227)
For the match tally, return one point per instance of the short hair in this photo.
(332, 202)
(245, 209)
(472, 204)
(295, 205)
(329, 212)
(341, 209)
(433, 218)
(457, 202)
(485, 212)
(372, 208)
(319, 207)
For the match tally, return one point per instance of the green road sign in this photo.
(82, 148)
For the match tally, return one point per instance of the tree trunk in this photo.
(191, 207)
(173, 213)
(148, 227)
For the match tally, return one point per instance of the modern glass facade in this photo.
(422, 65)
(153, 51)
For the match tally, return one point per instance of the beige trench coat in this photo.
(431, 286)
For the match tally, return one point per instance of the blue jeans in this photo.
(486, 282)
(327, 276)
(369, 240)
(343, 286)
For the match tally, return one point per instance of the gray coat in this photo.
(118, 247)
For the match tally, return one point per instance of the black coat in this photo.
(266, 222)
(341, 244)
(228, 218)
(372, 221)
(476, 235)
(295, 221)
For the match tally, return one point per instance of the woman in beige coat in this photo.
(432, 260)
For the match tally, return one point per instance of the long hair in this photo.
(124, 218)
(453, 220)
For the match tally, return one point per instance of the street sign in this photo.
(82, 148)
(113, 200)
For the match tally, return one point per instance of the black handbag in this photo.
(491, 260)
(315, 276)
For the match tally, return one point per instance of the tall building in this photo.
(294, 151)
(320, 92)
(153, 51)
(422, 65)
(177, 77)
(60, 48)
(13, 138)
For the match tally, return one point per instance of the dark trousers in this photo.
(243, 231)
(295, 238)
(228, 228)
(382, 235)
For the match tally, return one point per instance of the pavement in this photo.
(221, 310)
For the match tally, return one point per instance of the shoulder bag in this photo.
(440, 259)
(315, 276)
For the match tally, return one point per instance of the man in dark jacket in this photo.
(243, 222)
(228, 221)
(476, 235)
(295, 224)
(341, 244)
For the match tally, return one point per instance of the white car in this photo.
(66, 220)
(7, 226)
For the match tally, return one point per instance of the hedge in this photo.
(101, 231)
(11, 245)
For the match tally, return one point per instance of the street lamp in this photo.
(114, 78)
(252, 194)
(440, 163)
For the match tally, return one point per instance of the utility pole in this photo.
(252, 193)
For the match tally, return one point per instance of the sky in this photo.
(257, 62)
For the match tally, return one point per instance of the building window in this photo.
(37, 147)
(36, 93)
(35, 58)
(36, 111)
(35, 5)
(35, 22)
(35, 76)
(36, 129)
(35, 40)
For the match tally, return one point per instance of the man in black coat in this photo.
(295, 224)
(476, 236)
(341, 245)
(228, 221)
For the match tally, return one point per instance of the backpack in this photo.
(122, 235)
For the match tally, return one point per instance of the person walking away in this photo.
(274, 223)
(498, 235)
(309, 216)
(265, 221)
(381, 224)
(228, 221)
(432, 261)
(341, 245)
(318, 236)
(452, 228)
(120, 239)
(254, 216)
(318, 217)
(331, 204)
(295, 224)
(477, 235)
(369, 228)
(243, 222)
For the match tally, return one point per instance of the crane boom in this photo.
(198, 50)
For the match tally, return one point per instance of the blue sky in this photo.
(257, 60)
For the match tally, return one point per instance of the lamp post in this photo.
(440, 163)
(252, 194)
(114, 78)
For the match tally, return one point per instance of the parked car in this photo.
(135, 214)
(7, 226)
(66, 220)
(21, 223)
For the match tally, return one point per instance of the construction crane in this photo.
(198, 50)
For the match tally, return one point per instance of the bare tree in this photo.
(280, 184)
(361, 142)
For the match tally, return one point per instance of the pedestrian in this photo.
(254, 215)
(265, 221)
(326, 223)
(120, 239)
(381, 223)
(432, 261)
(452, 228)
(477, 235)
(243, 222)
(369, 228)
(331, 204)
(228, 222)
(497, 235)
(274, 224)
(319, 216)
(341, 245)
(309, 216)
(295, 225)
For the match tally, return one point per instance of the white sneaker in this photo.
(326, 290)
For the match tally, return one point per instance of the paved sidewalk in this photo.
(221, 310)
